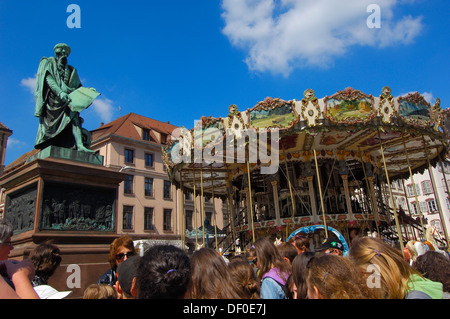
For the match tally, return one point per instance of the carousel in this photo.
(282, 166)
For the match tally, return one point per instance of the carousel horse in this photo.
(418, 248)
(277, 242)
(431, 242)
(415, 249)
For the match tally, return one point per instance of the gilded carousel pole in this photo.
(372, 199)
(413, 184)
(250, 198)
(214, 207)
(320, 193)
(446, 185)
(399, 232)
(202, 202)
(292, 196)
(195, 209)
(230, 208)
(183, 218)
(413, 231)
(436, 193)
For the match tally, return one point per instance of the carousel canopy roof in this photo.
(403, 132)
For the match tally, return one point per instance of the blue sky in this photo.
(177, 60)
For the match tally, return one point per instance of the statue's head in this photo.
(62, 52)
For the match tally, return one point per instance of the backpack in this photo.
(274, 274)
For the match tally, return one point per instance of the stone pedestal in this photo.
(67, 197)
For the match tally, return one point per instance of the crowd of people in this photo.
(372, 269)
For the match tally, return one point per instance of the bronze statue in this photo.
(59, 123)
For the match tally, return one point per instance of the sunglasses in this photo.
(122, 255)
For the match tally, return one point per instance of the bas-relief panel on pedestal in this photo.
(71, 207)
(20, 208)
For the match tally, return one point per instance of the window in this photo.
(402, 202)
(415, 210)
(167, 190)
(410, 190)
(127, 217)
(167, 219)
(426, 187)
(437, 224)
(148, 187)
(446, 168)
(418, 189)
(148, 218)
(128, 184)
(445, 184)
(423, 207)
(129, 156)
(163, 138)
(148, 160)
(188, 196)
(432, 208)
(188, 219)
(146, 134)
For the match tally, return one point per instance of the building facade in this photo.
(149, 206)
(426, 194)
(4, 134)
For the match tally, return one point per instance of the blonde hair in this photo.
(102, 291)
(335, 277)
(395, 272)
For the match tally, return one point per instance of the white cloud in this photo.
(15, 143)
(29, 83)
(280, 35)
(429, 97)
(104, 108)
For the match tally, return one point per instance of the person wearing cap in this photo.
(331, 246)
(126, 273)
(58, 124)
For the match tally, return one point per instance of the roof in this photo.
(127, 126)
(4, 128)
(20, 161)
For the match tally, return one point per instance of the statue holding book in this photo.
(60, 98)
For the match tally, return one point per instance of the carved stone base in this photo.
(66, 153)
(69, 201)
